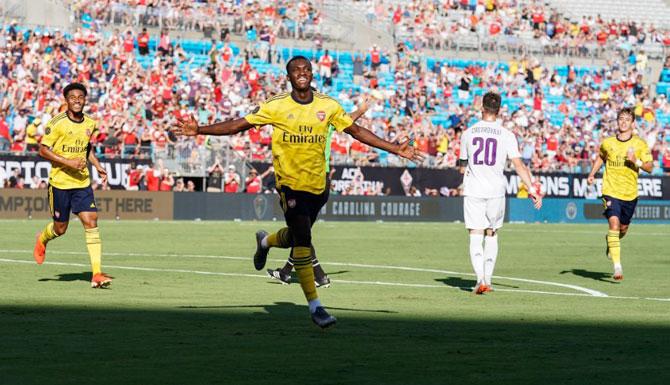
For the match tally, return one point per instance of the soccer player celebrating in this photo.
(624, 155)
(66, 144)
(485, 147)
(284, 273)
(300, 121)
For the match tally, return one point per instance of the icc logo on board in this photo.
(260, 206)
(571, 210)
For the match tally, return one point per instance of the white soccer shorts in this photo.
(483, 213)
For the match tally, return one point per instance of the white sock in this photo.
(490, 256)
(264, 242)
(313, 304)
(618, 266)
(477, 255)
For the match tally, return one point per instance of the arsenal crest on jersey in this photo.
(88, 132)
(321, 115)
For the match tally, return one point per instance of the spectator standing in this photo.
(253, 182)
(231, 180)
(143, 42)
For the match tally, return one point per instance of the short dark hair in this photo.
(626, 111)
(74, 86)
(294, 58)
(491, 102)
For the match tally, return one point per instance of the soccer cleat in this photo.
(277, 274)
(100, 280)
(481, 288)
(607, 249)
(488, 289)
(618, 274)
(40, 250)
(261, 255)
(322, 319)
(323, 282)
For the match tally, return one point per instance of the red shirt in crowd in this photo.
(230, 183)
(152, 179)
(552, 143)
(143, 40)
(4, 130)
(165, 185)
(128, 43)
(134, 178)
(375, 56)
(253, 184)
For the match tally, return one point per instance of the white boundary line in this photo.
(590, 292)
(378, 283)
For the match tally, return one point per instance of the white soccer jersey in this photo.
(487, 146)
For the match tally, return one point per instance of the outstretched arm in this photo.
(523, 172)
(189, 127)
(362, 108)
(366, 136)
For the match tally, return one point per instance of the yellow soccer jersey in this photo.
(299, 136)
(70, 140)
(620, 179)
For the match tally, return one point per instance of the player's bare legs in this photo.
(614, 245)
(94, 245)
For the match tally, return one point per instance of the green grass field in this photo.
(187, 307)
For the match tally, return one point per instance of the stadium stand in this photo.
(559, 112)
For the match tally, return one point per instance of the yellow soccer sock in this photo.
(94, 246)
(281, 239)
(615, 246)
(48, 234)
(303, 267)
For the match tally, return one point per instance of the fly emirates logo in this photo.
(305, 135)
(79, 147)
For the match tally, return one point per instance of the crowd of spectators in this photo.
(264, 19)
(137, 91)
(442, 24)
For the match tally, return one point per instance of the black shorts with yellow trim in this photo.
(295, 203)
(77, 200)
(621, 209)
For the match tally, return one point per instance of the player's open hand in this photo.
(103, 174)
(537, 200)
(407, 151)
(186, 127)
(364, 103)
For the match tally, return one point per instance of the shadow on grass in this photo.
(284, 308)
(231, 345)
(467, 284)
(69, 277)
(595, 275)
(294, 277)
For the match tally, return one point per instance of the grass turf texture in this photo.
(179, 327)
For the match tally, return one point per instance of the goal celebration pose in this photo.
(300, 121)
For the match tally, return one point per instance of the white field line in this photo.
(591, 292)
(377, 283)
